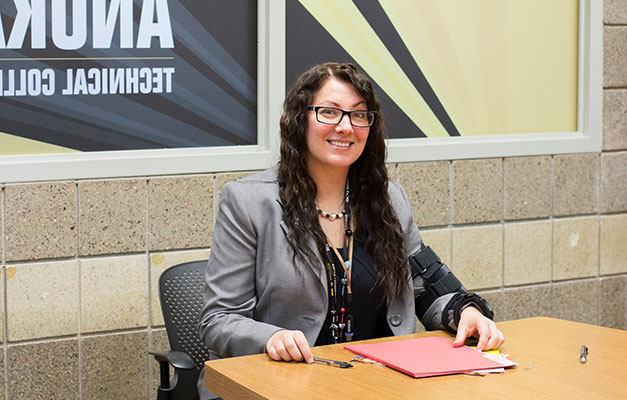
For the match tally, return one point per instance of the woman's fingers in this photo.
(289, 346)
(496, 338)
(303, 347)
(473, 321)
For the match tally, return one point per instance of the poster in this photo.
(102, 75)
(450, 68)
(114, 88)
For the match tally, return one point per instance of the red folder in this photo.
(430, 356)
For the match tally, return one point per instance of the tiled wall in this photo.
(540, 235)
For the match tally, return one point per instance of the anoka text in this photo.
(107, 17)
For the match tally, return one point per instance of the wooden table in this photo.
(546, 350)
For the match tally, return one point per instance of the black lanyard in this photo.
(340, 294)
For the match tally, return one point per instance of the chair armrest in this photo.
(177, 359)
(180, 361)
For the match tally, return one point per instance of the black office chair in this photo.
(180, 294)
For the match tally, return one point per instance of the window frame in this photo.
(271, 90)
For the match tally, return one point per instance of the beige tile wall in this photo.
(477, 191)
(50, 209)
(614, 244)
(576, 184)
(428, 189)
(112, 216)
(528, 250)
(44, 370)
(527, 187)
(575, 248)
(178, 220)
(42, 300)
(537, 236)
(114, 293)
(478, 256)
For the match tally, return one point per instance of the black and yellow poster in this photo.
(450, 68)
(129, 77)
(98, 75)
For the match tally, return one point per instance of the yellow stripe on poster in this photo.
(11, 145)
(423, 28)
(497, 66)
(350, 29)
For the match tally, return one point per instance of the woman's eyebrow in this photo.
(334, 104)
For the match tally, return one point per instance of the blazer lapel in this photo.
(316, 265)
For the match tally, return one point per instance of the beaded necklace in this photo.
(329, 216)
(340, 294)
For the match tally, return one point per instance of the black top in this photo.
(368, 305)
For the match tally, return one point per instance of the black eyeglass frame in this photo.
(344, 112)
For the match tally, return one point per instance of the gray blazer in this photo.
(252, 288)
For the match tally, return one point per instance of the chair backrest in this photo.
(180, 293)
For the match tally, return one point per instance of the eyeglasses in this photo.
(333, 116)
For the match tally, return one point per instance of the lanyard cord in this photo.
(342, 323)
(346, 266)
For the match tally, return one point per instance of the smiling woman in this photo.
(334, 145)
(316, 251)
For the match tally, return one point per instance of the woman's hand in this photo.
(289, 346)
(473, 323)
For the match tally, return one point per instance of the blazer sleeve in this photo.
(226, 323)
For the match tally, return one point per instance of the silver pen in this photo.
(584, 354)
(340, 364)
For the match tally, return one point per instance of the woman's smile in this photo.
(339, 144)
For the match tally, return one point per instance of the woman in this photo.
(314, 251)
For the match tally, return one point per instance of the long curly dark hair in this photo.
(375, 218)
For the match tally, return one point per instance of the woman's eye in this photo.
(329, 111)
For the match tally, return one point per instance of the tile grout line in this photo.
(451, 196)
(503, 230)
(5, 318)
(149, 288)
(88, 335)
(502, 288)
(5, 349)
(599, 227)
(4, 222)
(5, 346)
(80, 298)
(552, 219)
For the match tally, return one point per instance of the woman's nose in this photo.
(345, 124)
